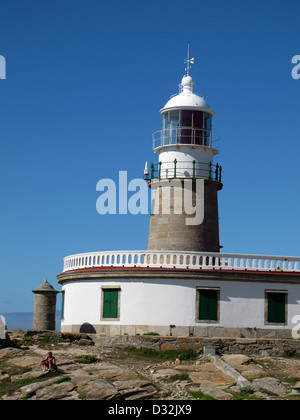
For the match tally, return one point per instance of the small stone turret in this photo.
(44, 307)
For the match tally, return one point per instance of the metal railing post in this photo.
(217, 172)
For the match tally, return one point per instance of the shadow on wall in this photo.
(87, 328)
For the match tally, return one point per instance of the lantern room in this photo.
(187, 119)
(186, 143)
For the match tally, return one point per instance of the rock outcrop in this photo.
(87, 370)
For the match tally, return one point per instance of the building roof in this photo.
(45, 287)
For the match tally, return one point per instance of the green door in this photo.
(110, 303)
(276, 308)
(208, 305)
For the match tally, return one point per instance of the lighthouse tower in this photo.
(185, 172)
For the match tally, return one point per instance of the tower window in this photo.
(208, 305)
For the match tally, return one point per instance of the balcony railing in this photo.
(184, 169)
(182, 260)
(185, 136)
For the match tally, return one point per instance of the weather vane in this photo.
(188, 61)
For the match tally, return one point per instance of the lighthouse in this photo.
(182, 284)
(186, 146)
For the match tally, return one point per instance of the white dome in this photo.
(187, 99)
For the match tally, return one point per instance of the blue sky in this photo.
(85, 83)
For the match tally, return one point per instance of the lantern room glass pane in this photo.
(186, 133)
(207, 128)
(174, 118)
(171, 121)
(174, 123)
(187, 118)
(198, 125)
(165, 130)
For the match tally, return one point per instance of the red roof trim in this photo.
(290, 273)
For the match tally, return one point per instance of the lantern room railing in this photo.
(183, 169)
(185, 136)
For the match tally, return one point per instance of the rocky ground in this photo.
(86, 370)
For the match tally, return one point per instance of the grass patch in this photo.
(277, 372)
(267, 392)
(156, 356)
(179, 377)
(200, 396)
(47, 339)
(12, 370)
(85, 359)
(246, 390)
(245, 393)
(63, 379)
(291, 354)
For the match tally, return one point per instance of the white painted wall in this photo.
(165, 302)
(2, 328)
(185, 155)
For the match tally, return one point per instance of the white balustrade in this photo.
(181, 260)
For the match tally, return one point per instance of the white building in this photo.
(182, 283)
(2, 328)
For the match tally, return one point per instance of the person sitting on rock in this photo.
(49, 363)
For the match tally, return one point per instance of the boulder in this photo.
(10, 352)
(209, 376)
(29, 390)
(55, 392)
(135, 389)
(271, 385)
(98, 389)
(244, 365)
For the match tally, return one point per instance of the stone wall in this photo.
(260, 347)
(170, 231)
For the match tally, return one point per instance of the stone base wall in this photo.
(260, 347)
(203, 332)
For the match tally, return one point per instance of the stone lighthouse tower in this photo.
(185, 182)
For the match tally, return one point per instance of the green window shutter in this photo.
(110, 303)
(208, 305)
(276, 307)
